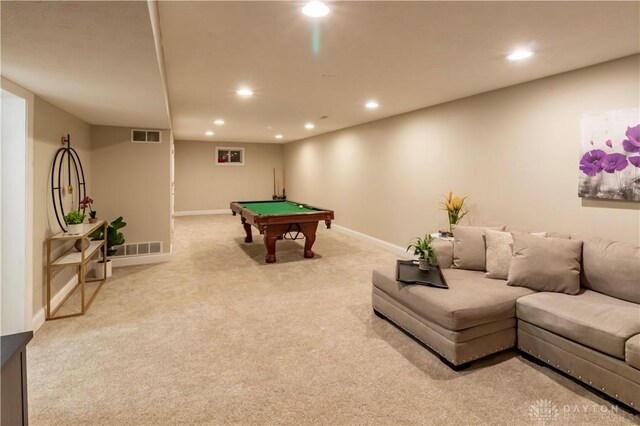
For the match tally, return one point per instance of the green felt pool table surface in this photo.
(266, 208)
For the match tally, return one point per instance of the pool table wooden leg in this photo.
(309, 231)
(270, 243)
(247, 229)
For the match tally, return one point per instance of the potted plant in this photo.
(114, 238)
(86, 204)
(74, 221)
(425, 252)
(455, 210)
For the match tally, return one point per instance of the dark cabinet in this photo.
(14, 379)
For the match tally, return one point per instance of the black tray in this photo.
(408, 272)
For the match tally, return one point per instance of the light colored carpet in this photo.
(217, 336)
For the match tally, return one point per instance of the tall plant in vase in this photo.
(455, 209)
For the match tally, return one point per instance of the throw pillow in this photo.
(545, 264)
(499, 252)
(469, 248)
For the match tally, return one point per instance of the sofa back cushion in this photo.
(545, 264)
(469, 247)
(444, 252)
(611, 268)
(499, 252)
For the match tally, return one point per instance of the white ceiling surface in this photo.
(407, 55)
(96, 60)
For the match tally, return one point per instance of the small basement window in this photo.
(145, 136)
(229, 156)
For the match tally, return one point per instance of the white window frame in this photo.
(227, 148)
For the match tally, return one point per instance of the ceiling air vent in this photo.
(145, 136)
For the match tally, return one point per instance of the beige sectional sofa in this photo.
(593, 335)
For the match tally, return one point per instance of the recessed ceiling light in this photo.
(219, 122)
(208, 133)
(245, 92)
(372, 105)
(520, 54)
(315, 9)
(309, 126)
(278, 136)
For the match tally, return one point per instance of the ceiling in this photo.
(97, 60)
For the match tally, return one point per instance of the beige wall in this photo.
(514, 152)
(132, 180)
(50, 124)
(203, 185)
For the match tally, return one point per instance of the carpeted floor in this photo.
(217, 336)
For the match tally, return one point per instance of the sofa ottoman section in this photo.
(474, 318)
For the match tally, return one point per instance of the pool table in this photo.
(281, 219)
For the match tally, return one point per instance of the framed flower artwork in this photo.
(609, 165)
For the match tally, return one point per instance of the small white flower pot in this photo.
(423, 264)
(75, 229)
(99, 269)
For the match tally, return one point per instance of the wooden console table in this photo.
(78, 259)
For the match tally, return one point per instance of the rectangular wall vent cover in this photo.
(138, 249)
(146, 136)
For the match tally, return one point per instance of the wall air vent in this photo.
(138, 249)
(146, 136)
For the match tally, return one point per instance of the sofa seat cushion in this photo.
(471, 299)
(632, 351)
(593, 319)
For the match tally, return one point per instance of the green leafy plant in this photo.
(422, 247)
(74, 218)
(114, 236)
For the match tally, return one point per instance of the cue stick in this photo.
(274, 182)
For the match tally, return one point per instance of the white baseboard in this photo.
(119, 261)
(201, 212)
(400, 251)
(39, 317)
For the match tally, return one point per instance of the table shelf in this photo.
(78, 260)
(74, 257)
(88, 229)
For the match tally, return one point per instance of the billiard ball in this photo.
(300, 206)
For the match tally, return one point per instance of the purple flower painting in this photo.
(615, 162)
(590, 162)
(632, 142)
(609, 166)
